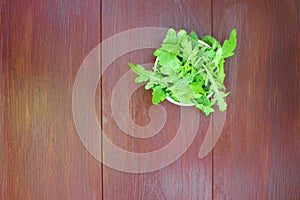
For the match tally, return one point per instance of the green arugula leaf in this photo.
(158, 95)
(182, 35)
(167, 59)
(171, 37)
(182, 89)
(198, 89)
(211, 41)
(153, 77)
(218, 57)
(138, 69)
(193, 36)
(216, 86)
(206, 109)
(171, 48)
(187, 49)
(229, 45)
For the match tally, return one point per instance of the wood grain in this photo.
(4, 64)
(47, 41)
(258, 156)
(188, 177)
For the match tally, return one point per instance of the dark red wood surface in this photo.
(42, 45)
(258, 155)
(4, 64)
(189, 177)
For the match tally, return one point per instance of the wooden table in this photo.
(43, 44)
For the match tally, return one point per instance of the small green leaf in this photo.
(149, 85)
(211, 41)
(138, 69)
(193, 36)
(158, 95)
(229, 45)
(198, 89)
(187, 49)
(182, 35)
(171, 37)
(218, 56)
(167, 59)
(140, 79)
(171, 48)
(206, 109)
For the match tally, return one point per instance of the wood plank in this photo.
(48, 40)
(4, 64)
(188, 177)
(258, 155)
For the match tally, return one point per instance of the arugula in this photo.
(189, 70)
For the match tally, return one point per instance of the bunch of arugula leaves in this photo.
(189, 70)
